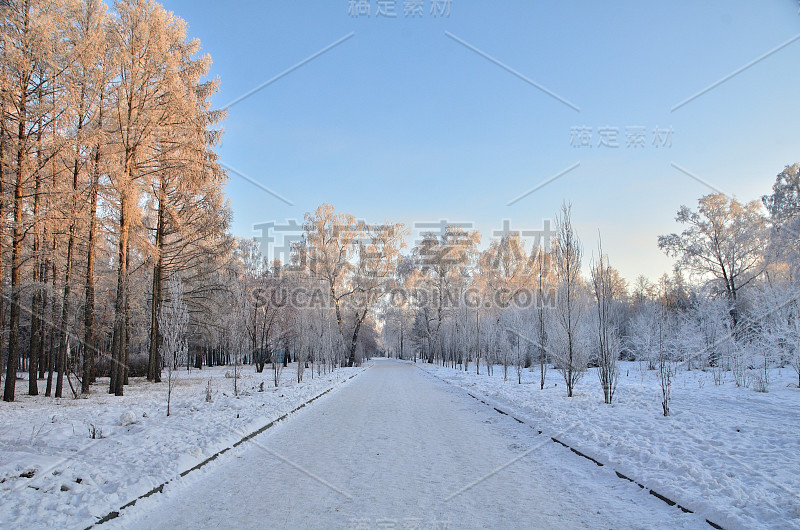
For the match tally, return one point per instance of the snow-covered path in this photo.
(397, 448)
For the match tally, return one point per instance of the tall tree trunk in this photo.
(154, 359)
(126, 352)
(36, 302)
(36, 327)
(90, 351)
(119, 343)
(16, 259)
(76, 165)
(2, 226)
(88, 316)
(45, 353)
(63, 335)
(51, 344)
(37, 321)
(56, 344)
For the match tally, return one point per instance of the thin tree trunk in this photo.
(2, 224)
(55, 344)
(37, 324)
(154, 361)
(64, 336)
(45, 353)
(126, 352)
(88, 316)
(119, 344)
(16, 260)
(52, 351)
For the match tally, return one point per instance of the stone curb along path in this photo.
(160, 488)
(486, 401)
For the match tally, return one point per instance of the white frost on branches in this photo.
(173, 319)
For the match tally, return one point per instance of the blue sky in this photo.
(401, 122)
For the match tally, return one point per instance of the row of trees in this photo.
(731, 305)
(109, 185)
(508, 305)
(319, 307)
(110, 190)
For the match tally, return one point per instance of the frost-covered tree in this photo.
(355, 260)
(34, 45)
(568, 350)
(442, 262)
(723, 240)
(666, 371)
(173, 320)
(643, 337)
(783, 205)
(707, 328)
(277, 360)
(783, 332)
(607, 321)
(506, 274)
(147, 42)
(776, 311)
(544, 284)
(237, 324)
(518, 325)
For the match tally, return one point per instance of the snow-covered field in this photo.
(728, 453)
(53, 473)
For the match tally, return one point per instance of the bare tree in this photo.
(173, 319)
(238, 325)
(607, 326)
(568, 349)
(544, 282)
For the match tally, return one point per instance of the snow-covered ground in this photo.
(728, 453)
(392, 445)
(52, 473)
(397, 448)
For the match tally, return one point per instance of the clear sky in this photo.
(412, 119)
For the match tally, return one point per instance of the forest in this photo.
(117, 259)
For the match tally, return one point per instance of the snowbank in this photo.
(727, 453)
(66, 462)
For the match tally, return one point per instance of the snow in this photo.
(398, 445)
(728, 453)
(76, 478)
(128, 418)
(398, 448)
